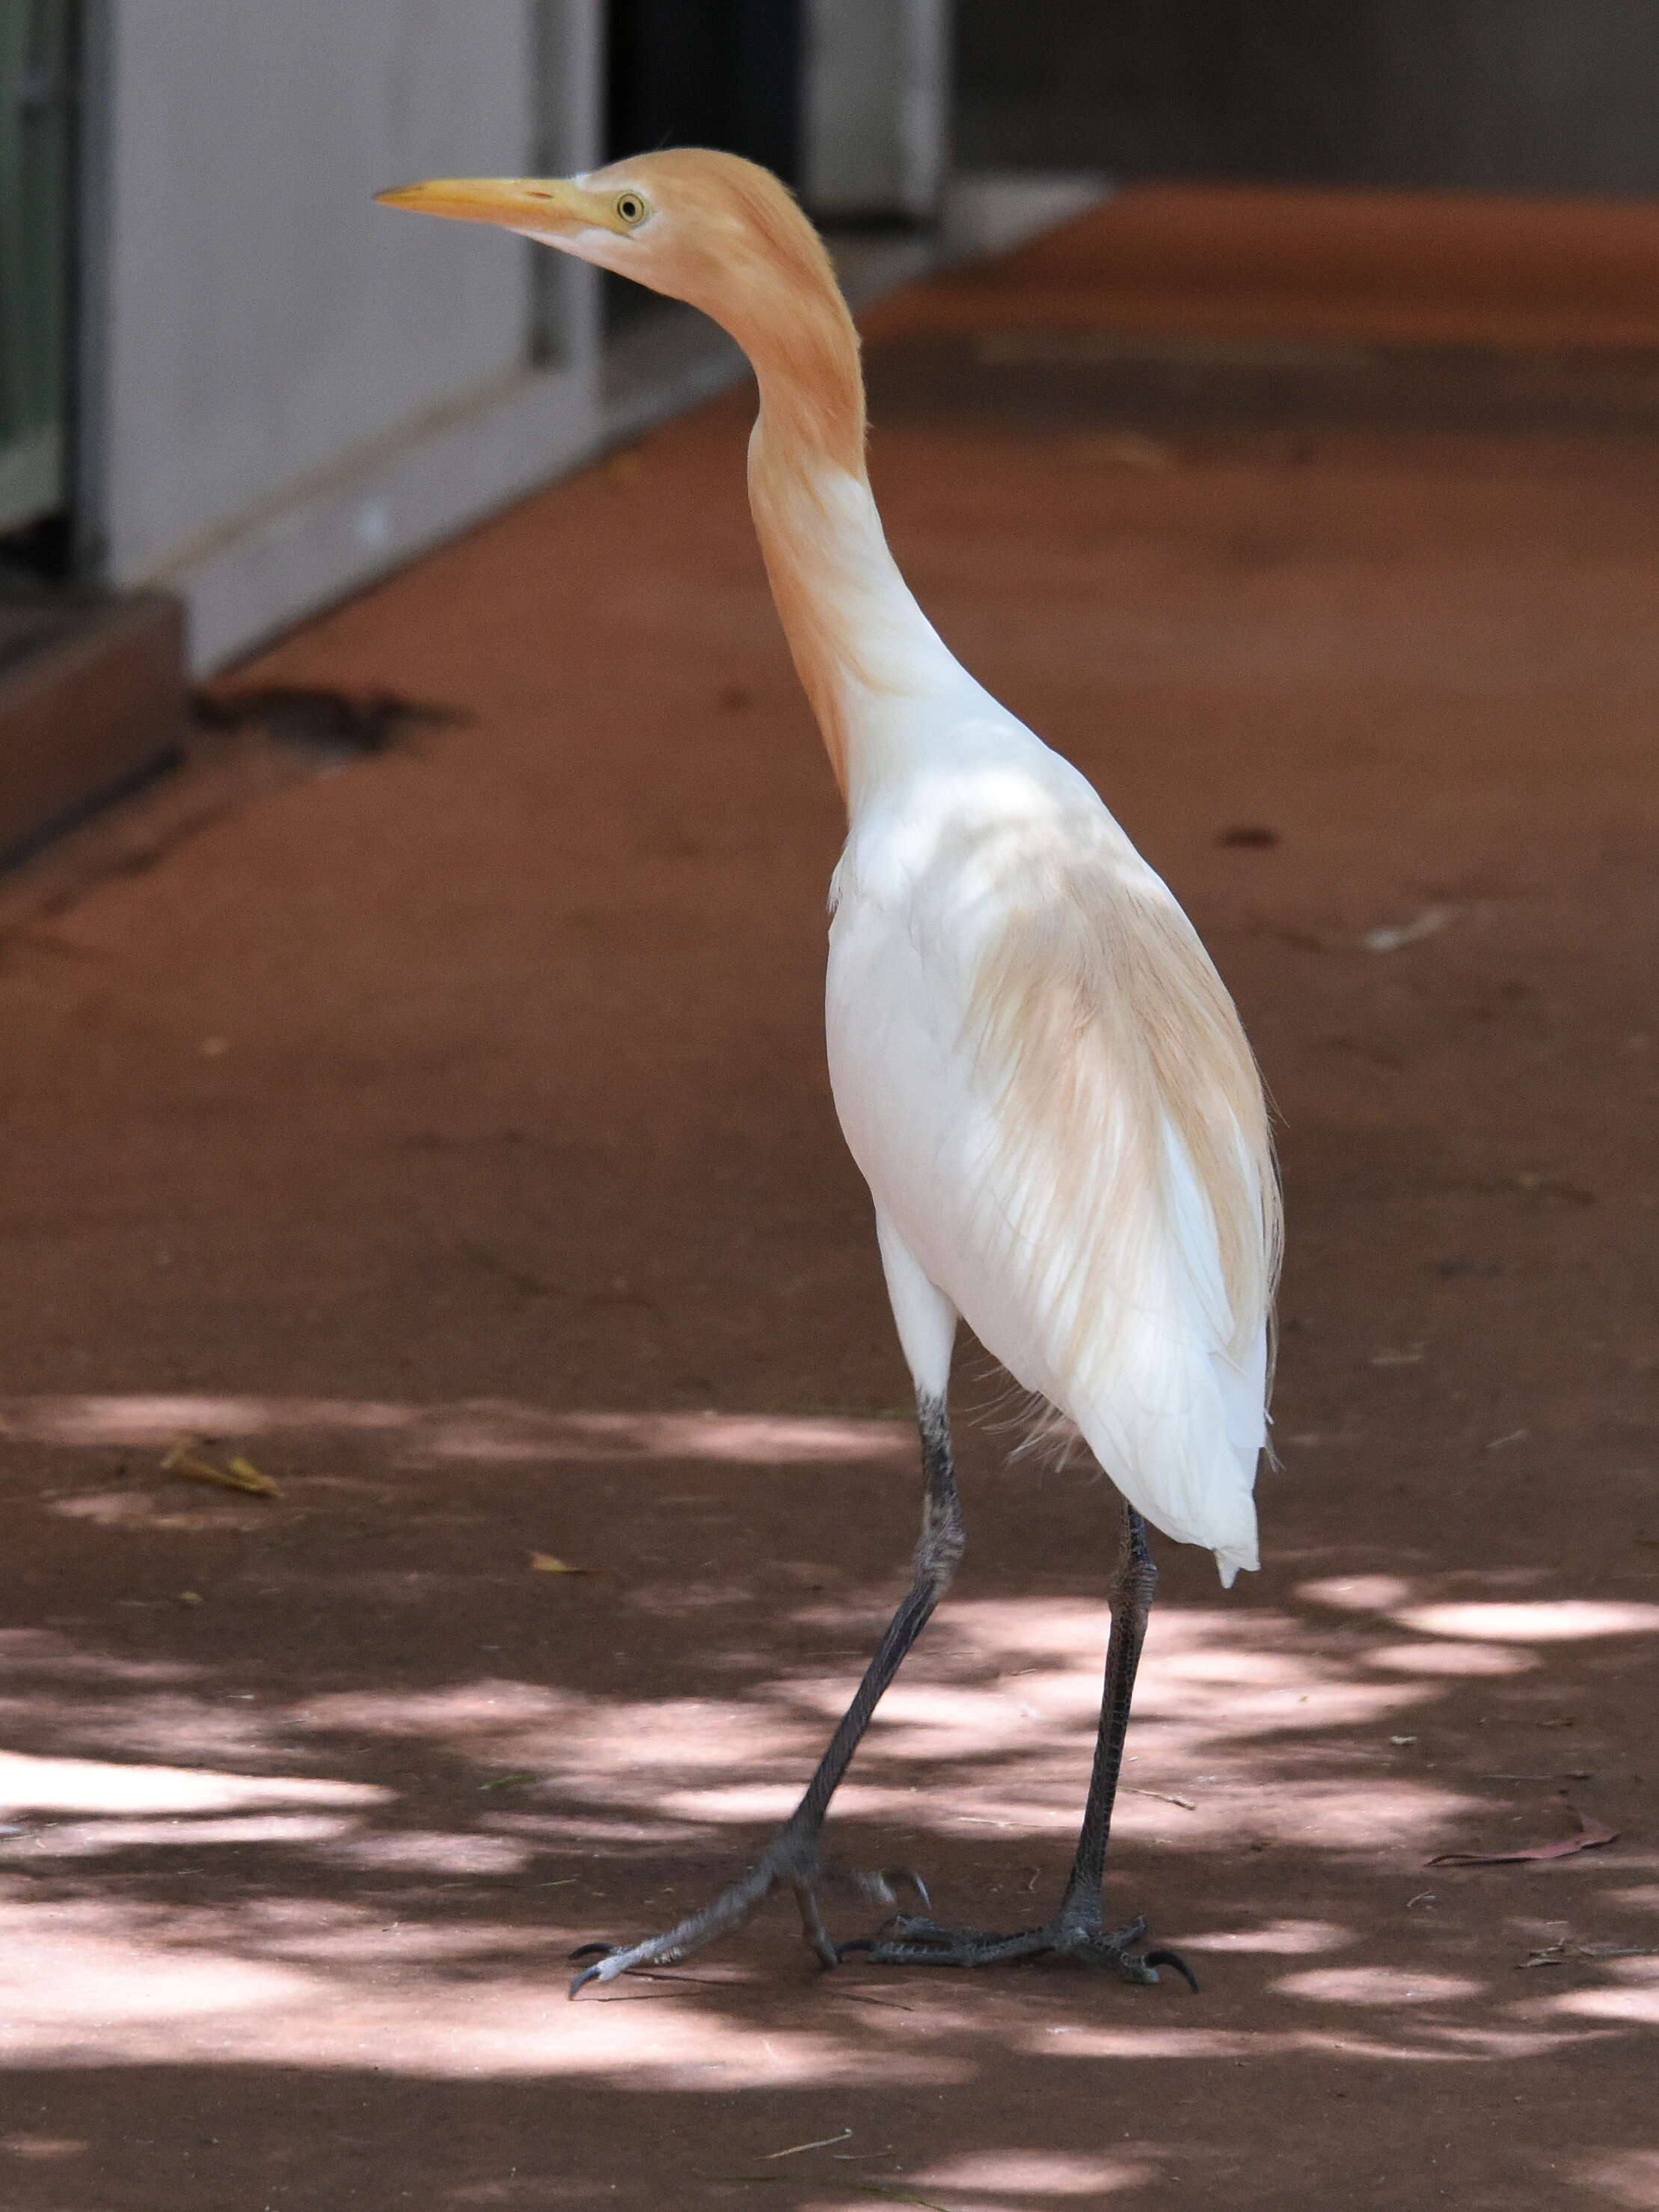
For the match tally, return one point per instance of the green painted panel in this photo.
(36, 111)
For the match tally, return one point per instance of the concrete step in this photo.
(91, 701)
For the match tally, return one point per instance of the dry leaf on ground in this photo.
(1590, 1835)
(240, 1473)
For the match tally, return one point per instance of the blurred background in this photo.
(1476, 95)
(226, 379)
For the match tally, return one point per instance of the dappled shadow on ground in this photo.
(308, 1796)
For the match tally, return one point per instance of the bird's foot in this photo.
(791, 1861)
(908, 1941)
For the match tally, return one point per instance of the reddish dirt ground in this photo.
(451, 1135)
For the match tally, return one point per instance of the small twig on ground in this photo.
(822, 2142)
(1566, 1774)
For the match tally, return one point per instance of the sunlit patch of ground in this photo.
(1629, 2179)
(489, 1431)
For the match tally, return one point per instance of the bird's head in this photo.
(699, 226)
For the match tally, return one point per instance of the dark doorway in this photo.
(721, 73)
(724, 73)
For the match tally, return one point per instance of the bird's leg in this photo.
(792, 1859)
(1078, 1930)
(1133, 1589)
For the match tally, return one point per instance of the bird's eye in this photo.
(630, 209)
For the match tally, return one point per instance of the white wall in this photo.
(293, 381)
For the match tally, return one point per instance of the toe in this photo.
(611, 1959)
(895, 1951)
(1176, 1963)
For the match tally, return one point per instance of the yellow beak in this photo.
(519, 203)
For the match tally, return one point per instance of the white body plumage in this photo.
(1010, 1172)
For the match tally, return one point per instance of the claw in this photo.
(908, 1878)
(1173, 1959)
(606, 1966)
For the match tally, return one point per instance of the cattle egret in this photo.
(1036, 1066)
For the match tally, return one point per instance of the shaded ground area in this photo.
(449, 1135)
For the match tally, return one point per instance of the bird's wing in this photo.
(1047, 1087)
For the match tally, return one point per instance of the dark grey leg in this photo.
(1133, 1587)
(791, 1860)
(1078, 1930)
(938, 1551)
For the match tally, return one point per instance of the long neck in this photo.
(859, 642)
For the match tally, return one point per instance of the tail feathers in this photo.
(1228, 1562)
(1213, 1507)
